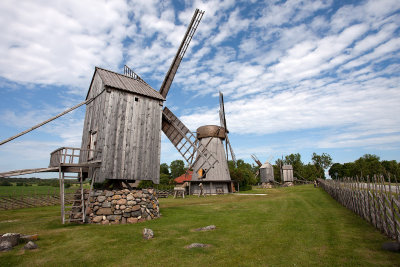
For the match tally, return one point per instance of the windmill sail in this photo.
(255, 158)
(169, 77)
(185, 142)
(222, 120)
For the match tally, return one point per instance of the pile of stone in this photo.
(10, 240)
(287, 184)
(266, 185)
(122, 206)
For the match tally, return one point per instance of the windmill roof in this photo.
(184, 177)
(126, 83)
(287, 167)
(266, 165)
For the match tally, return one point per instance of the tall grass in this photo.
(298, 226)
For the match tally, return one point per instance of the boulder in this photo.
(135, 208)
(197, 245)
(106, 204)
(122, 201)
(31, 245)
(116, 197)
(104, 211)
(5, 245)
(101, 198)
(148, 233)
(131, 203)
(136, 213)
(132, 220)
(206, 228)
(97, 219)
(11, 237)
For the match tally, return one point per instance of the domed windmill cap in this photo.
(211, 131)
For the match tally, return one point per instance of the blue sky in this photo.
(297, 76)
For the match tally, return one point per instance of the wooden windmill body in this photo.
(266, 170)
(124, 120)
(122, 127)
(217, 180)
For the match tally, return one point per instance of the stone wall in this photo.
(122, 206)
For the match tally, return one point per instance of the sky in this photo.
(297, 76)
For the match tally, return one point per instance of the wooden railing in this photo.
(66, 155)
(372, 199)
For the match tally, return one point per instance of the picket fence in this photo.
(373, 199)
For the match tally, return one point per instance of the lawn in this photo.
(34, 190)
(298, 226)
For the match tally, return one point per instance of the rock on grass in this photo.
(197, 245)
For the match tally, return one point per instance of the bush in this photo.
(20, 184)
(5, 183)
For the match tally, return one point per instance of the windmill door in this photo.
(92, 144)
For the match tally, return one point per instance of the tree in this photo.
(164, 169)
(321, 162)
(392, 169)
(310, 172)
(336, 171)
(242, 174)
(295, 161)
(368, 165)
(165, 179)
(177, 168)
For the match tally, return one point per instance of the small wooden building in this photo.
(287, 173)
(123, 127)
(266, 173)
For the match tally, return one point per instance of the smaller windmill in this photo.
(266, 171)
(216, 179)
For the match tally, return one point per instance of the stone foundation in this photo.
(122, 206)
(266, 185)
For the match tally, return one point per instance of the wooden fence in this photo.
(19, 201)
(372, 199)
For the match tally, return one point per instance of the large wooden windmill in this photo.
(123, 122)
(215, 179)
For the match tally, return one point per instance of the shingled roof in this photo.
(184, 177)
(126, 83)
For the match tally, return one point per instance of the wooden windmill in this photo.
(123, 123)
(215, 179)
(266, 170)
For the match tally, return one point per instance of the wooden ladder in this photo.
(78, 205)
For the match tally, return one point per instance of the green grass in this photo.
(29, 190)
(297, 226)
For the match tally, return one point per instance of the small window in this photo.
(137, 99)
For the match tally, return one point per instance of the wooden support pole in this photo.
(43, 123)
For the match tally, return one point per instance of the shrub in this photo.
(20, 184)
(5, 183)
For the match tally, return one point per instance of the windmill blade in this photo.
(169, 77)
(230, 149)
(222, 111)
(222, 120)
(185, 142)
(254, 157)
